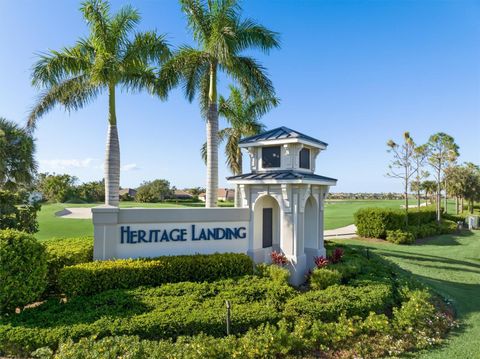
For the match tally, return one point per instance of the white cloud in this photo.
(130, 167)
(61, 164)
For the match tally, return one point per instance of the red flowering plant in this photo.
(336, 255)
(321, 261)
(278, 258)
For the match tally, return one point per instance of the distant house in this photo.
(179, 194)
(224, 194)
(127, 192)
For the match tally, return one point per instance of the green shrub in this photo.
(274, 272)
(328, 304)
(424, 230)
(447, 226)
(164, 312)
(322, 278)
(23, 269)
(17, 213)
(375, 222)
(400, 237)
(420, 216)
(98, 276)
(62, 252)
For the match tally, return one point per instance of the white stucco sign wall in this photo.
(142, 232)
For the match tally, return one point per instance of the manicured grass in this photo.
(52, 226)
(340, 213)
(451, 265)
(337, 214)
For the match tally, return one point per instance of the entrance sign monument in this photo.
(279, 207)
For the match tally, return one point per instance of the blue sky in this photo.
(351, 73)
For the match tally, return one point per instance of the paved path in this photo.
(343, 232)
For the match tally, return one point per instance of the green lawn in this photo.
(451, 265)
(52, 226)
(337, 214)
(340, 213)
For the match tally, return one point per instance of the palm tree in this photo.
(243, 114)
(17, 161)
(107, 58)
(221, 37)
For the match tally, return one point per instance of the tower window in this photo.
(305, 158)
(271, 157)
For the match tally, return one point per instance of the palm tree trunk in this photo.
(212, 142)
(112, 154)
(461, 205)
(456, 204)
(238, 197)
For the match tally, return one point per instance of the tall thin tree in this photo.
(402, 165)
(442, 150)
(221, 36)
(109, 57)
(419, 158)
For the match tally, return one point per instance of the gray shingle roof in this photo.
(280, 175)
(278, 134)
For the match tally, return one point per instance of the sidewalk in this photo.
(343, 232)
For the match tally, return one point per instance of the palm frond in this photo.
(233, 152)
(186, 66)
(72, 94)
(55, 66)
(198, 19)
(252, 35)
(122, 24)
(251, 75)
(259, 106)
(147, 47)
(97, 15)
(139, 76)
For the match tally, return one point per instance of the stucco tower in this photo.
(285, 197)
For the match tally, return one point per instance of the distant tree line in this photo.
(365, 195)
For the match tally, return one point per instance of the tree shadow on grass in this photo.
(416, 257)
(456, 280)
(445, 239)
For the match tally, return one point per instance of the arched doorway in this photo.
(311, 223)
(266, 232)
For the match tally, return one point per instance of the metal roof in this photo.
(279, 134)
(286, 175)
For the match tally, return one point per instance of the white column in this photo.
(105, 229)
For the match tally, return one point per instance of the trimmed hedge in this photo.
(23, 269)
(413, 326)
(151, 313)
(327, 305)
(389, 224)
(99, 276)
(62, 252)
(375, 222)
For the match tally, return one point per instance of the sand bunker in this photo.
(75, 213)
